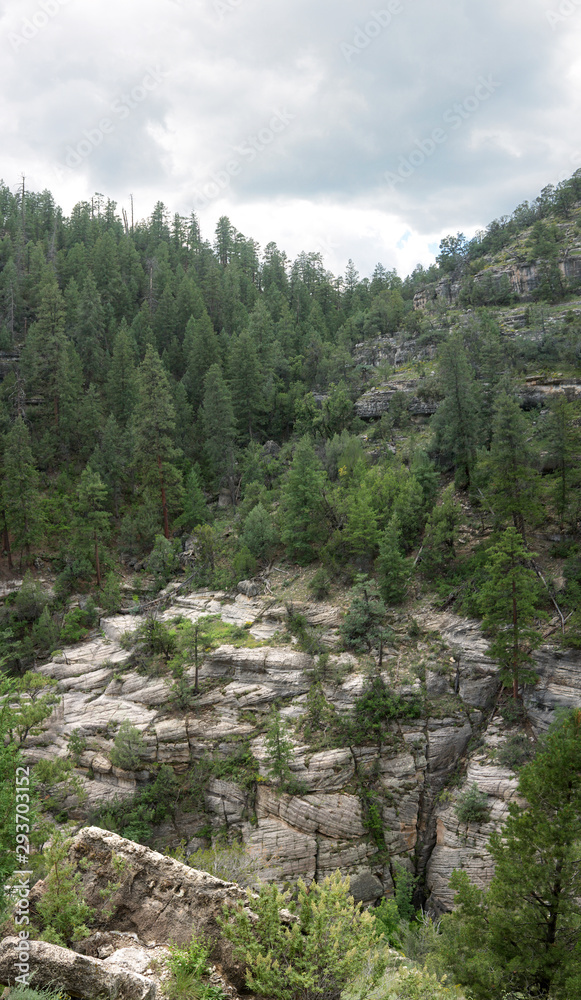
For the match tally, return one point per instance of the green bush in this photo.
(320, 584)
(188, 967)
(472, 806)
(30, 600)
(164, 560)
(156, 638)
(315, 957)
(128, 747)
(77, 623)
(364, 624)
(230, 862)
(376, 706)
(259, 533)
(63, 912)
(516, 751)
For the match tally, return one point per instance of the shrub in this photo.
(128, 747)
(328, 944)
(362, 627)
(77, 623)
(388, 922)
(516, 751)
(30, 599)
(63, 911)
(77, 745)
(157, 638)
(472, 806)
(320, 584)
(188, 967)
(376, 706)
(164, 560)
(110, 597)
(231, 862)
(259, 533)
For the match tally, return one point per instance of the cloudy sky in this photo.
(357, 129)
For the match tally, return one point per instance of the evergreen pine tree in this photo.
(513, 488)
(92, 518)
(456, 422)
(245, 385)
(301, 506)
(509, 602)
(154, 428)
(122, 379)
(218, 423)
(20, 490)
(392, 571)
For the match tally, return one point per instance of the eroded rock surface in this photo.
(327, 824)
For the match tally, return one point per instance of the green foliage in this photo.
(128, 747)
(456, 423)
(164, 560)
(405, 884)
(522, 935)
(392, 570)
(363, 627)
(188, 968)
(509, 601)
(63, 912)
(28, 993)
(376, 707)
(388, 920)
(76, 745)
(135, 818)
(441, 535)
(516, 751)
(320, 584)
(317, 955)
(76, 624)
(259, 533)
(110, 596)
(31, 599)
(231, 862)
(302, 505)
(279, 748)
(472, 806)
(156, 638)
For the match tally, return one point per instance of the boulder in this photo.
(159, 899)
(79, 975)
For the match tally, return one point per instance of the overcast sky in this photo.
(362, 130)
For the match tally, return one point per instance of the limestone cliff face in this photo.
(523, 279)
(326, 826)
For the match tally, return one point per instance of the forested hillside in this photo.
(369, 462)
(154, 383)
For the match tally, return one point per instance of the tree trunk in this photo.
(6, 538)
(163, 498)
(97, 563)
(515, 643)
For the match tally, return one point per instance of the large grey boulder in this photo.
(78, 975)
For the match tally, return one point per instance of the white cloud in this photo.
(230, 65)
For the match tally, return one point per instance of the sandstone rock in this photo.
(250, 588)
(159, 899)
(78, 975)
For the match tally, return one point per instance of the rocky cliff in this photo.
(413, 779)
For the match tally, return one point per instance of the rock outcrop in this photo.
(78, 975)
(327, 823)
